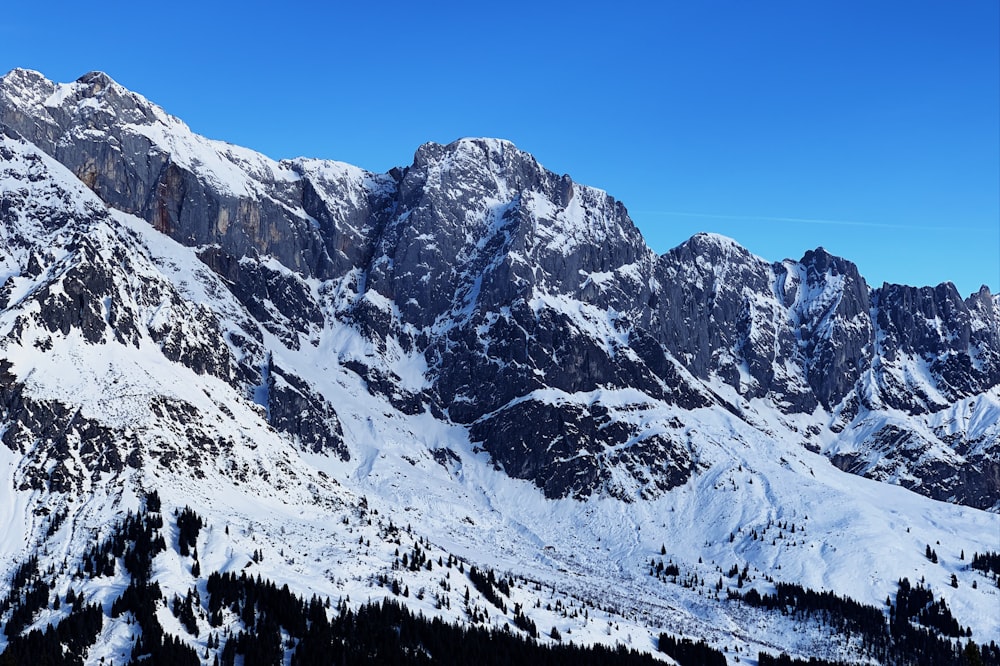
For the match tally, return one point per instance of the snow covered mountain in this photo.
(480, 349)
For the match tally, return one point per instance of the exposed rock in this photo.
(464, 284)
(294, 408)
(570, 449)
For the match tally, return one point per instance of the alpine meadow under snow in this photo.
(295, 412)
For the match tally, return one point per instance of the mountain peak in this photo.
(472, 151)
(488, 144)
(20, 75)
(98, 81)
(26, 86)
(819, 254)
(711, 238)
(711, 244)
(28, 81)
(27, 96)
(820, 262)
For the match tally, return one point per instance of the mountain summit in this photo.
(471, 339)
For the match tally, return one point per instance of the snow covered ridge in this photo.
(488, 354)
(432, 265)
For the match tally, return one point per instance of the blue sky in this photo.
(869, 128)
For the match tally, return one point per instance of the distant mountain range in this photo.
(483, 351)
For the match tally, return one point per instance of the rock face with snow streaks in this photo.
(480, 288)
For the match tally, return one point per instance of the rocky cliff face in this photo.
(478, 287)
(96, 337)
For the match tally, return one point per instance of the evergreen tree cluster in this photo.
(137, 540)
(255, 601)
(688, 653)
(662, 571)
(22, 574)
(900, 642)
(741, 576)
(389, 633)
(490, 587)
(988, 562)
(183, 610)
(152, 502)
(765, 659)
(29, 594)
(189, 524)
(417, 560)
(265, 610)
(152, 645)
(918, 603)
(524, 623)
(377, 633)
(842, 614)
(63, 645)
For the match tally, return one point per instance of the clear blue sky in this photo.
(869, 128)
